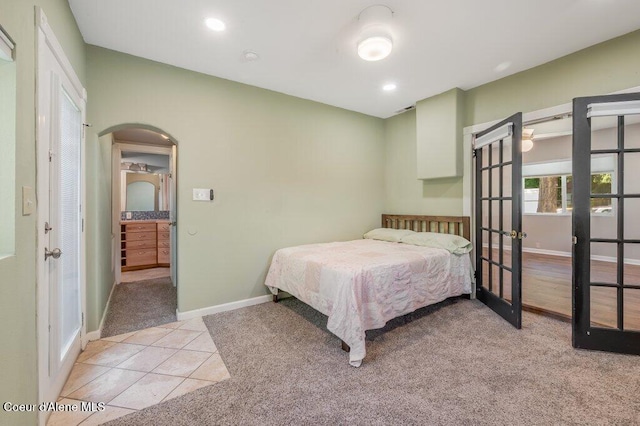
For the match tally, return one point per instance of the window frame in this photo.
(559, 168)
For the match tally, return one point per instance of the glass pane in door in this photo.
(70, 221)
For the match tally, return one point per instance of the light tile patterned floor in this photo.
(136, 370)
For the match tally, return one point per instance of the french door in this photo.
(606, 295)
(498, 212)
(60, 256)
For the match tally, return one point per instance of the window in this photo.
(546, 192)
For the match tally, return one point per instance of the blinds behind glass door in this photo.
(70, 219)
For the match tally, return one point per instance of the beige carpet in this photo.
(460, 364)
(139, 305)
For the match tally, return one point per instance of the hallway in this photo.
(145, 298)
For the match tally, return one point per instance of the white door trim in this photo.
(57, 50)
(118, 147)
(46, 39)
(116, 255)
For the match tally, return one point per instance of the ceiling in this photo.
(141, 136)
(308, 48)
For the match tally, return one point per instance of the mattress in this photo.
(362, 284)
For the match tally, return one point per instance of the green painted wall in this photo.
(439, 122)
(18, 361)
(100, 267)
(285, 171)
(7, 159)
(404, 193)
(604, 68)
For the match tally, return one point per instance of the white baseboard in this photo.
(547, 252)
(627, 261)
(91, 336)
(96, 334)
(222, 308)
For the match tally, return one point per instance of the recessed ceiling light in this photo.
(215, 24)
(250, 56)
(503, 66)
(389, 87)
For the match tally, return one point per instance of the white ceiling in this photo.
(308, 48)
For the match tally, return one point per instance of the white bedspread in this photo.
(362, 284)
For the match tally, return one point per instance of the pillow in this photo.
(388, 234)
(452, 243)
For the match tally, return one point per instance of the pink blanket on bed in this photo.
(362, 284)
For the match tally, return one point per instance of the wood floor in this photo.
(546, 287)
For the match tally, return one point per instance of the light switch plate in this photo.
(28, 201)
(202, 194)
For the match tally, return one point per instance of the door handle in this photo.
(174, 223)
(519, 235)
(55, 253)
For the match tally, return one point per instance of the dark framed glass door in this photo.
(606, 206)
(498, 213)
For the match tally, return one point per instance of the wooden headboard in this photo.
(458, 225)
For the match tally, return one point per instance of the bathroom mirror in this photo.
(144, 182)
(144, 191)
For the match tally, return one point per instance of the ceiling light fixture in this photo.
(389, 87)
(527, 140)
(502, 66)
(250, 56)
(215, 24)
(375, 42)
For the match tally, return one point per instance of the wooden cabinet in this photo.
(164, 244)
(144, 244)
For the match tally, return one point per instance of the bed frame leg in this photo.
(275, 298)
(345, 347)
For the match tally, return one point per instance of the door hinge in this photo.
(82, 225)
(83, 319)
(50, 155)
(574, 240)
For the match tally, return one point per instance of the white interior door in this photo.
(173, 216)
(61, 284)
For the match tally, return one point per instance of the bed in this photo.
(362, 284)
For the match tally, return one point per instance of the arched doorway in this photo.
(143, 221)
